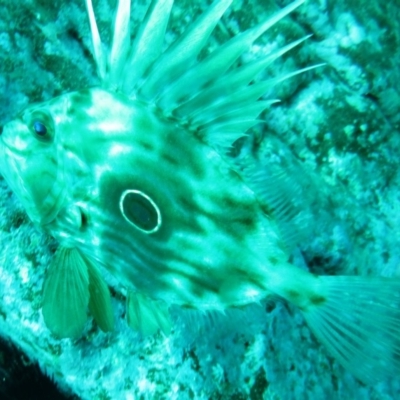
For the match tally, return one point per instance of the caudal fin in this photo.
(359, 322)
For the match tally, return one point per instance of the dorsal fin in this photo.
(211, 69)
(226, 86)
(287, 190)
(212, 96)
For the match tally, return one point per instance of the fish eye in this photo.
(41, 125)
(39, 128)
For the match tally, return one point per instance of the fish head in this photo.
(54, 154)
(29, 159)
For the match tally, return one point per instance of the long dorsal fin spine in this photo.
(148, 42)
(98, 51)
(227, 85)
(120, 43)
(181, 54)
(250, 111)
(217, 63)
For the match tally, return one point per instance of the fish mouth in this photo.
(8, 168)
(43, 209)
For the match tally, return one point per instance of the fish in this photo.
(137, 177)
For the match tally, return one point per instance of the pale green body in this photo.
(214, 244)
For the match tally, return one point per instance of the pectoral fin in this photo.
(66, 294)
(100, 299)
(72, 284)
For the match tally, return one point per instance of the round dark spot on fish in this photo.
(146, 145)
(229, 202)
(84, 220)
(74, 35)
(140, 211)
(273, 260)
(270, 305)
(293, 295)
(317, 300)
(79, 101)
(246, 221)
(170, 160)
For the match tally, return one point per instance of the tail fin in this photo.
(359, 323)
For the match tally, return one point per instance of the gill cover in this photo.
(29, 162)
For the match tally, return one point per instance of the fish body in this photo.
(135, 177)
(192, 233)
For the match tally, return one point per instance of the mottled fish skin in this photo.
(24, 157)
(214, 241)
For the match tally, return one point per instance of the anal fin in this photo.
(146, 315)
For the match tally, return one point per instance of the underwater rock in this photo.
(22, 380)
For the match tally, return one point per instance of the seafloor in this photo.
(341, 120)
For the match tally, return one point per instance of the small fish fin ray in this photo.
(248, 112)
(100, 299)
(286, 189)
(66, 294)
(222, 90)
(233, 101)
(359, 323)
(282, 194)
(146, 315)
